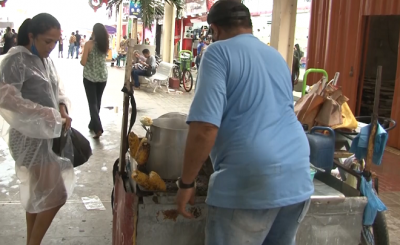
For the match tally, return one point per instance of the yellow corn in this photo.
(134, 142)
(156, 182)
(142, 154)
(142, 179)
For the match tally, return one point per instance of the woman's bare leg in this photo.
(30, 222)
(47, 178)
(42, 223)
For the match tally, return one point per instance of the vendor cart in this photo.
(352, 174)
(143, 217)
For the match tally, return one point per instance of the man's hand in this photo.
(183, 197)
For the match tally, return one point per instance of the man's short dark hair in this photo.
(146, 51)
(229, 14)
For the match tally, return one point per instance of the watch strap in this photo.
(182, 185)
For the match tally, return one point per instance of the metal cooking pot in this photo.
(167, 138)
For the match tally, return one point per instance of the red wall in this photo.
(187, 43)
(336, 43)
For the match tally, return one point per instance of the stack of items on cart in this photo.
(325, 105)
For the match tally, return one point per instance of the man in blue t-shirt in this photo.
(199, 49)
(242, 114)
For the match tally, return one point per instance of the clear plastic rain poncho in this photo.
(30, 93)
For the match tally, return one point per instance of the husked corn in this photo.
(134, 142)
(142, 154)
(156, 182)
(146, 121)
(142, 179)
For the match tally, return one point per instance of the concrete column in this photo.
(119, 26)
(134, 30)
(168, 33)
(283, 28)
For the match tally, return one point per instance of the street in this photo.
(74, 224)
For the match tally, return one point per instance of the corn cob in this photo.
(156, 182)
(142, 154)
(141, 179)
(134, 142)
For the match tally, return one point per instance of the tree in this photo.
(151, 9)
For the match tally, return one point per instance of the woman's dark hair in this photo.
(297, 47)
(39, 24)
(101, 37)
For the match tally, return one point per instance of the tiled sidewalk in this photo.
(389, 191)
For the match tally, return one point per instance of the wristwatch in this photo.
(182, 185)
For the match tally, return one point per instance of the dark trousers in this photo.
(94, 92)
(77, 50)
(119, 58)
(135, 76)
(198, 59)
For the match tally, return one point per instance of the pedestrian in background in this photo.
(8, 40)
(199, 49)
(71, 47)
(123, 49)
(83, 42)
(15, 37)
(33, 104)
(61, 47)
(77, 43)
(95, 74)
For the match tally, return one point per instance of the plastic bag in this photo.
(374, 203)
(30, 93)
(80, 151)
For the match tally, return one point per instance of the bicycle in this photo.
(181, 69)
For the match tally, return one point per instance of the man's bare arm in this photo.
(200, 140)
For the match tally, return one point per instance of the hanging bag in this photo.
(81, 150)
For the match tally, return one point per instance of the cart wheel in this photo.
(175, 72)
(378, 234)
(381, 232)
(187, 80)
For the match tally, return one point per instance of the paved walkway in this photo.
(74, 224)
(389, 190)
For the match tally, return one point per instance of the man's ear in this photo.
(30, 35)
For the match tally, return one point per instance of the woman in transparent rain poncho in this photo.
(35, 107)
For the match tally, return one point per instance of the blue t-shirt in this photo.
(199, 47)
(261, 153)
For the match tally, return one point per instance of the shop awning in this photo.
(111, 29)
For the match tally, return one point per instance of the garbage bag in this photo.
(30, 94)
(374, 204)
(81, 150)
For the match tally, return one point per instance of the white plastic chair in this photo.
(162, 75)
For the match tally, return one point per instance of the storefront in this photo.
(188, 28)
(193, 25)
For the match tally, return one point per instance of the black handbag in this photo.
(81, 147)
(150, 71)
